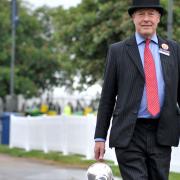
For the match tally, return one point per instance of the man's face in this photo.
(146, 21)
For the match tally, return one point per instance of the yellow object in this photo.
(67, 110)
(87, 110)
(52, 113)
(44, 108)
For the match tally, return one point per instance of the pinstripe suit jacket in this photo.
(123, 89)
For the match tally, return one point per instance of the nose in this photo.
(146, 17)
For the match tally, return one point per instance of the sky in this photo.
(53, 3)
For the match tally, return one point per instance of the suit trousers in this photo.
(144, 158)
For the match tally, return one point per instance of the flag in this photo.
(14, 12)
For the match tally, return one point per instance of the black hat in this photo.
(139, 4)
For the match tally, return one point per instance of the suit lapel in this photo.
(165, 60)
(133, 52)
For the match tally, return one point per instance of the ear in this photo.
(133, 14)
(159, 17)
(132, 17)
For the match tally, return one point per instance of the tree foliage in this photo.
(56, 46)
(86, 31)
(36, 63)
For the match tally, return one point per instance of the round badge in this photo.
(165, 46)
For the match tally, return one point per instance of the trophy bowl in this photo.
(99, 171)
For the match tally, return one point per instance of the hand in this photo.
(99, 150)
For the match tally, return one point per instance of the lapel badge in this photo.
(165, 46)
(164, 49)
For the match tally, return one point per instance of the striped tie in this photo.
(151, 81)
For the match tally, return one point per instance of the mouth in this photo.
(146, 26)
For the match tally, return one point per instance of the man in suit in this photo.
(140, 92)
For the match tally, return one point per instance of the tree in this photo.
(36, 64)
(36, 59)
(56, 46)
(86, 31)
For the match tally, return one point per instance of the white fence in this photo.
(67, 134)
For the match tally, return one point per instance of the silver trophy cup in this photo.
(99, 171)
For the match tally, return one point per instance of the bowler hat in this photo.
(139, 4)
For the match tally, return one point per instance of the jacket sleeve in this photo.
(178, 92)
(108, 95)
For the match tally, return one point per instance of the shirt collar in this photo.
(140, 39)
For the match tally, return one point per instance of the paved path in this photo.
(22, 169)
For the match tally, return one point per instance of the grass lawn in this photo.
(71, 161)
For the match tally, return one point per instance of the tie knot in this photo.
(148, 41)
